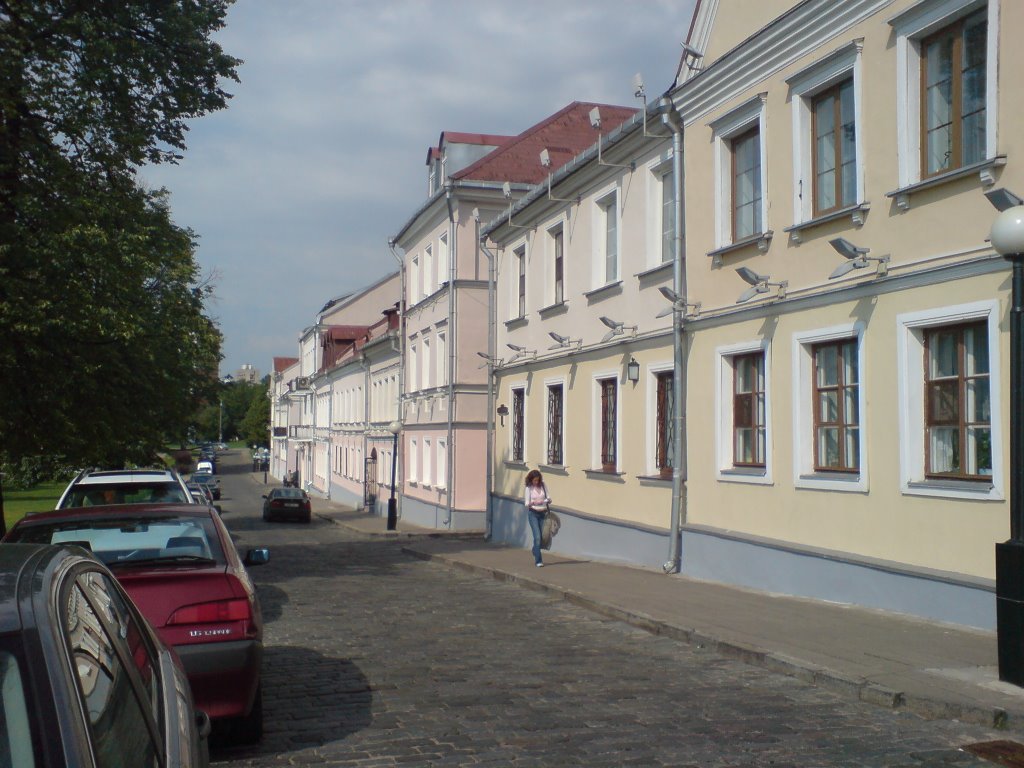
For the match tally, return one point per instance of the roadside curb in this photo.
(858, 688)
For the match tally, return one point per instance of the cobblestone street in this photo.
(376, 658)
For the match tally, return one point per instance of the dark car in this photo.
(287, 504)
(208, 480)
(178, 564)
(83, 679)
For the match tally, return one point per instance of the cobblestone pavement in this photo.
(375, 658)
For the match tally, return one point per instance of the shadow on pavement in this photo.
(272, 601)
(308, 700)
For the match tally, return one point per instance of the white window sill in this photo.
(854, 212)
(750, 475)
(516, 322)
(953, 489)
(832, 481)
(597, 293)
(762, 240)
(665, 266)
(983, 169)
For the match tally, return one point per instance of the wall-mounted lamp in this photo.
(503, 412)
(679, 304)
(758, 284)
(520, 352)
(495, 362)
(857, 258)
(633, 370)
(563, 342)
(1003, 199)
(617, 329)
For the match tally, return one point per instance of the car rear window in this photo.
(126, 540)
(125, 493)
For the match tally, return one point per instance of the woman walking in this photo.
(536, 500)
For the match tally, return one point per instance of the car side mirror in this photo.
(257, 556)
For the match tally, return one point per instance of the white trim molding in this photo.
(725, 469)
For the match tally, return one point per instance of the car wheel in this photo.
(249, 729)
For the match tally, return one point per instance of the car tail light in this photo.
(211, 613)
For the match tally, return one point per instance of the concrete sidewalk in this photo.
(937, 670)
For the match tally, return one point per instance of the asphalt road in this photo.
(376, 658)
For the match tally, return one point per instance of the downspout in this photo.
(674, 121)
(448, 446)
(366, 422)
(400, 416)
(491, 343)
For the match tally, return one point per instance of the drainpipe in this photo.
(401, 361)
(366, 423)
(492, 310)
(448, 446)
(674, 121)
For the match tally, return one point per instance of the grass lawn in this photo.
(44, 496)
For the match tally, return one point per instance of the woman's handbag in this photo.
(549, 529)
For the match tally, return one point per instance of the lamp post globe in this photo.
(394, 428)
(1007, 237)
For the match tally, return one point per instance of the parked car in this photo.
(205, 465)
(287, 504)
(93, 487)
(208, 481)
(200, 492)
(178, 563)
(83, 678)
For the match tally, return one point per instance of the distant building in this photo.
(247, 373)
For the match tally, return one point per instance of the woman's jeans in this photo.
(536, 525)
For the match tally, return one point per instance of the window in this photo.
(414, 280)
(414, 460)
(520, 253)
(836, 407)
(555, 424)
(442, 358)
(748, 410)
(557, 262)
(835, 149)
(953, 72)
(949, 390)
(428, 457)
(442, 260)
(606, 236)
(958, 415)
(425, 364)
(740, 175)
(413, 367)
(428, 271)
(665, 445)
(609, 417)
(746, 185)
(518, 426)
(947, 54)
(442, 462)
(668, 215)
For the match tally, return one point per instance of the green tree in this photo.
(107, 350)
(255, 427)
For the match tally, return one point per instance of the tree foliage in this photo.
(107, 350)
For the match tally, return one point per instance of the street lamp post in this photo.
(394, 428)
(1007, 238)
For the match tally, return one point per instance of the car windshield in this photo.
(288, 493)
(126, 493)
(119, 542)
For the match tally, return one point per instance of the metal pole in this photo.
(1017, 398)
(392, 504)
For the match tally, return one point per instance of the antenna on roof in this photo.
(506, 190)
(689, 59)
(640, 93)
(545, 160)
(595, 123)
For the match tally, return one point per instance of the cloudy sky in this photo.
(295, 188)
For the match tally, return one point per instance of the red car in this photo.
(179, 566)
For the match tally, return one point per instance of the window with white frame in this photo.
(428, 271)
(442, 259)
(660, 419)
(826, 116)
(950, 425)
(428, 457)
(520, 298)
(414, 280)
(743, 404)
(556, 424)
(606, 239)
(442, 357)
(414, 460)
(608, 423)
(947, 55)
(740, 181)
(662, 204)
(556, 241)
(414, 370)
(425, 362)
(518, 424)
(442, 463)
(830, 451)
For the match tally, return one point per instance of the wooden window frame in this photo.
(518, 424)
(962, 380)
(521, 285)
(664, 423)
(556, 425)
(839, 161)
(842, 423)
(751, 397)
(558, 256)
(609, 418)
(954, 31)
(752, 133)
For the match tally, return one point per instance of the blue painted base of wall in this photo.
(426, 515)
(347, 497)
(762, 564)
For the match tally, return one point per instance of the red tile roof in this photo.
(564, 134)
(281, 363)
